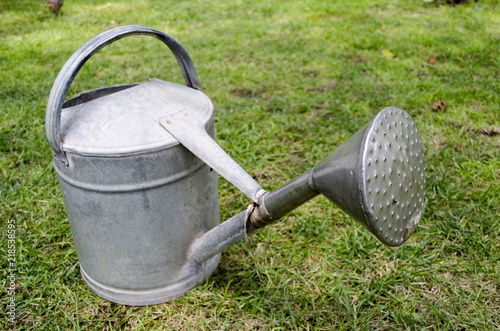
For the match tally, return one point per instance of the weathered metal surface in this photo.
(191, 133)
(129, 123)
(78, 59)
(135, 197)
(132, 231)
(135, 206)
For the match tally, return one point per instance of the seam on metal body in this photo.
(129, 187)
(310, 179)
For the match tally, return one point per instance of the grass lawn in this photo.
(290, 81)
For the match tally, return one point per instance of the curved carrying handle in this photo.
(68, 72)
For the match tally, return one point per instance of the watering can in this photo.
(137, 166)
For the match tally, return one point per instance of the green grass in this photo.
(290, 81)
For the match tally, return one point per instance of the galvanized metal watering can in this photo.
(137, 168)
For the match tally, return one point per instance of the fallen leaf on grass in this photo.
(54, 5)
(489, 132)
(388, 54)
(440, 105)
(15, 287)
(432, 60)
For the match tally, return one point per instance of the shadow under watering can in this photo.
(137, 166)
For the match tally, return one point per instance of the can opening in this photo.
(95, 94)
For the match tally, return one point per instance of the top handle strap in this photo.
(70, 69)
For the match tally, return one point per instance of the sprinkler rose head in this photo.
(377, 176)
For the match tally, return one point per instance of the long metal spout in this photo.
(376, 176)
(273, 206)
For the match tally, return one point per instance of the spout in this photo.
(272, 206)
(376, 176)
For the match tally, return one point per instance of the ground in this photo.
(290, 81)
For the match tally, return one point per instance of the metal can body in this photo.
(135, 197)
(133, 219)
